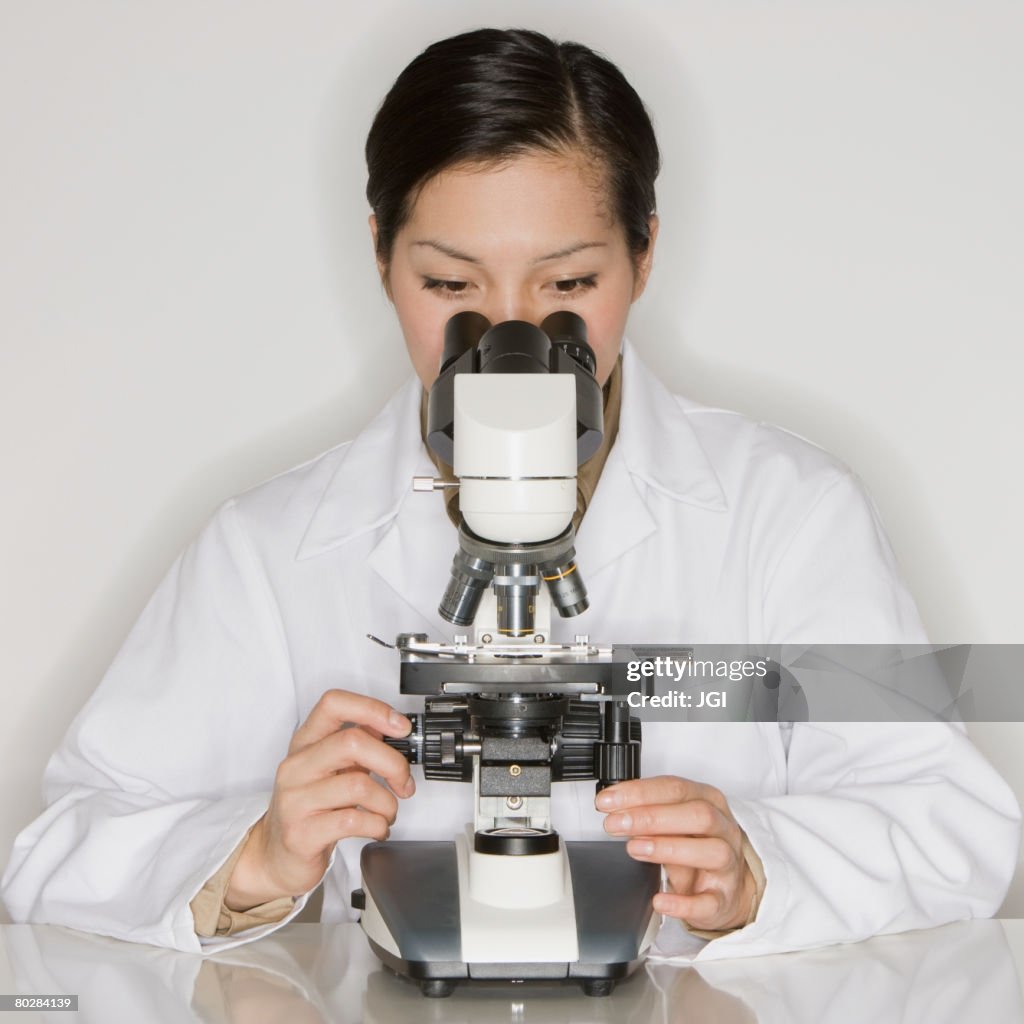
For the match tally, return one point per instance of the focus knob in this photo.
(411, 746)
(616, 762)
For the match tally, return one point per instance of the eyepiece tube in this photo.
(568, 331)
(515, 346)
(462, 332)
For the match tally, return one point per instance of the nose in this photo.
(513, 304)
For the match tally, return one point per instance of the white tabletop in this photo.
(316, 973)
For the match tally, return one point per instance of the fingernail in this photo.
(398, 721)
(618, 823)
(641, 848)
(607, 799)
(410, 786)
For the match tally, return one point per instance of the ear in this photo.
(381, 266)
(645, 263)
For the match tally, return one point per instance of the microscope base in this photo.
(412, 916)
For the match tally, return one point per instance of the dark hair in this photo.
(492, 94)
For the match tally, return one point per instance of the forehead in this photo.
(535, 199)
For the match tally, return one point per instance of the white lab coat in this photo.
(705, 527)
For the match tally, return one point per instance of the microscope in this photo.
(515, 410)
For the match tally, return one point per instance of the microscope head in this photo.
(515, 409)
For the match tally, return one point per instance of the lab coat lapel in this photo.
(373, 477)
(372, 491)
(656, 448)
(616, 519)
(659, 443)
(414, 555)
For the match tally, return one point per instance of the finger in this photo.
(349, 789)
(702, 910)
(662, 789)
(324, 829)
(693, 818)
(681, 879)
(347, 748)
(338, 707)
(707, 854)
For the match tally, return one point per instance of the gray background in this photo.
(189, 303)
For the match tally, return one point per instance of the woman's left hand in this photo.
(688, 828)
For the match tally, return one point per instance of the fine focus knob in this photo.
(447, 748)
(411, 746)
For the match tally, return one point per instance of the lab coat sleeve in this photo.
(883, 827)
(211, 913)
(171, 760)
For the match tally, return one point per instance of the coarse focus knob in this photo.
(573, 758)
(616, 762)
(443, 729)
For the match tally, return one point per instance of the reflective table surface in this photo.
(307, 973)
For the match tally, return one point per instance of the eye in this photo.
(576, 285)
(447, 289)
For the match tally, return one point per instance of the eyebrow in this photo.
(455, 254)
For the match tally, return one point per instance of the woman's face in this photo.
(514, 241)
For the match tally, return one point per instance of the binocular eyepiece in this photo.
(516, 346)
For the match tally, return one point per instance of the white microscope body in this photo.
(510, 711)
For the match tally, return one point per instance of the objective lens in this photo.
(470, 578)
(568, 593)
(516, 596)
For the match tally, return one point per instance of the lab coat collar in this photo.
(657, 441)
(656, 446)
(373, 478)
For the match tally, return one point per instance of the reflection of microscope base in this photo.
(422, 921)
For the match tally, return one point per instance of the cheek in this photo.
(422, 326)
(606, 321)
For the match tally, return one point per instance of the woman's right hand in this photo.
(323, 792)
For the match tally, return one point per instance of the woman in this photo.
(512, 176)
